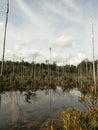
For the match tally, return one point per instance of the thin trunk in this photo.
(97, 68)
(87, 68)
(50, 88)
(2, 65)
(93, 58)
(13, 64)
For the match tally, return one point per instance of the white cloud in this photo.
(77, 59)
(1, 25)
(51, 21)
(71, 4)
(63, 41)
(21, 54)
(37, 20)
(42, 56)
(1, 37)
(27, 11)
(65, 9)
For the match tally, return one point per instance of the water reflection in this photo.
(0, 100)
(28, 96)
(14, 107)
(31, 109)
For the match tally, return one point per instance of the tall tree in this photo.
(6, 22)
(93, 57)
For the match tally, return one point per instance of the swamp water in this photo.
(20, 111)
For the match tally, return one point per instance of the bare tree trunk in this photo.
(2, 65)
(86, 68)
(50, 88)
(97, 68)
(94, 76)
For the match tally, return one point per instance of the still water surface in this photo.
(20, 112)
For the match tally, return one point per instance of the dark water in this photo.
(22, 112)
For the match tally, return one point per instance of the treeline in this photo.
(26, 68)
(85, 68)
(25, 75)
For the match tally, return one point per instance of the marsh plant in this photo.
(74, 119)
(79, 119)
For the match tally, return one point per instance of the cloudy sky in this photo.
(34, 26)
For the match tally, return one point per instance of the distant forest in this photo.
(25, 75)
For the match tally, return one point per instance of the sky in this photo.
(35, 26)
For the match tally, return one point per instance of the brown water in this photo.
(20, 111)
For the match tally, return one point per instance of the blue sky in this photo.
(36, 25)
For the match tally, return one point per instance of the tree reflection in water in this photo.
(0, 100)
(15, 114)
(29, 110)
(28, 96)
